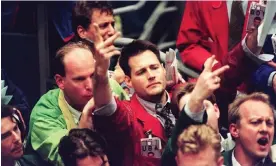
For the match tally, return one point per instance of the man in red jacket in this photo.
(205, 31)
(146, 115)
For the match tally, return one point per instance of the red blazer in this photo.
(204, 32)
(127, 126)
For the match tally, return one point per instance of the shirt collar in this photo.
(76, 114)
(236, 163)
(150, 107)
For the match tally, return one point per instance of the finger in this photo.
(111, 39)
(221, 70)
(97, 35)
(113, 53)
(107, 49)
(208, 63)
(217, 80)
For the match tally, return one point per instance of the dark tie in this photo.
(236, 24)
(165, 114)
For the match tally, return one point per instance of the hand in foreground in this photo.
(86, 120)
(251, 41)
(103, 50)
(207, 82)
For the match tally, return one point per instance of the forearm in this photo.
(102, 90)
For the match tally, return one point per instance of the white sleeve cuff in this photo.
(270, 79)
(195, 116)
(108, 109)
(246, 49)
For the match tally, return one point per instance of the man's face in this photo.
(77, 82)
(148, 76)
(206, 157)
(255, 131)
(92, 160)
(11, 144)
(105, 22)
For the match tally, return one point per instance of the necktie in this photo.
(165, 114)
(236, 24)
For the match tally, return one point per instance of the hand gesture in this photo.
(251, 41)
(208, 81)
(103, 50)
(86, 120)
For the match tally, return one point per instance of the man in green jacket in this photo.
(67, 107)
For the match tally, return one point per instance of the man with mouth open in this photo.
(251, 124)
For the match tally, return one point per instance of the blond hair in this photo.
(233, 111)
(197, 138)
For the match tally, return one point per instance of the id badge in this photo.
(151, 147)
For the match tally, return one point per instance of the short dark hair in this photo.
(10, 111)
(59, 67)
(79, 144)
(83, 11)
(134, 48)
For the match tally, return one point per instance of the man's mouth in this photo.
(263, 141)
(152, 84)
(17, 149)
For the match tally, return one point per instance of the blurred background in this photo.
(31, 33)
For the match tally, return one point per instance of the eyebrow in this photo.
(6, 134)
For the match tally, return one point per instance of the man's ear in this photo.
(220, 161)
(81, 32)
(59, 81)
(128, 81)
(233, 129)
(217, 110)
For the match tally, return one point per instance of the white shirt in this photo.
(235, 162)
(76, 114)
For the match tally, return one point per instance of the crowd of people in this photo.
(134, 116)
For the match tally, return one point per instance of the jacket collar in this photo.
(148, 121)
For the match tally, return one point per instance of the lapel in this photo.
(65, 111)
(219, 25)
(227, 155)
(148, 121)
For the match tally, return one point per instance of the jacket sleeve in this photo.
(46, 132)
(190, 43)
(261, 77)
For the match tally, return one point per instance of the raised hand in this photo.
(86, 120)
(251, 41)
(103, 50)
(206, 84)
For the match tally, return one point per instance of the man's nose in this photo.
(16, 136)
(111, 30)
(88, 84)
(263, 127)
(150, 75)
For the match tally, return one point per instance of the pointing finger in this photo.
(220, 70)
(111, 39)
(208, 64)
